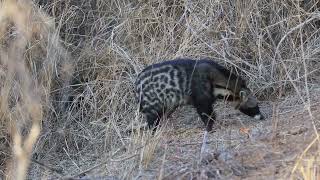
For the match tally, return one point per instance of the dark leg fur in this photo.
(150, 120)
(205, 111)
(153, 120)
(203, 100)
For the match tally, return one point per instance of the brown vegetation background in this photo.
(66, 83)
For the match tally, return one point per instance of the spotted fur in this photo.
(161, 88)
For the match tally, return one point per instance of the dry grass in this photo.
(307, 167)
(28, 70)
(67, 94)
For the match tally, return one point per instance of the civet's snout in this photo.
(249, 105)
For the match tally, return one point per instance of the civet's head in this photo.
(249, 105)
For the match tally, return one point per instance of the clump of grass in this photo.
(29, 54)
(307, 165)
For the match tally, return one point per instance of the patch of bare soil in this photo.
(240, 147)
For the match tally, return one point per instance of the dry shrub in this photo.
(32, 62)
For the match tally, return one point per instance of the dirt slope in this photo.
(241, 147)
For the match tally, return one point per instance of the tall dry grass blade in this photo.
(25, 78)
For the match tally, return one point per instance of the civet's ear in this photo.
(243, 95)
